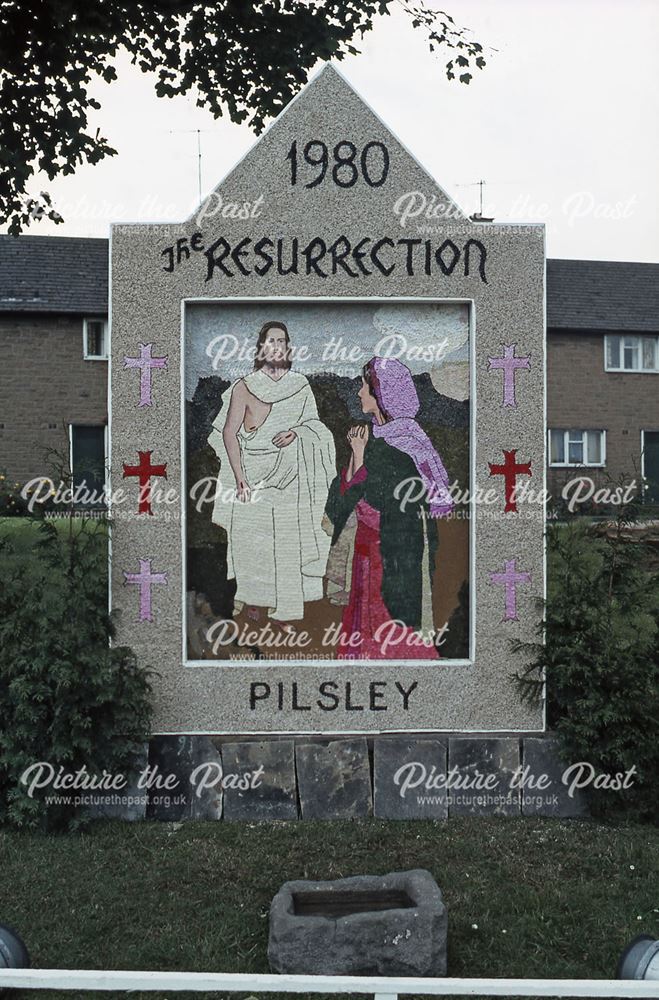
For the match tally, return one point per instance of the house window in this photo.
(94, 337)
(88, 447)
(624, 353)
(576, 447)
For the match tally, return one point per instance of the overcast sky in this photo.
(562, 125)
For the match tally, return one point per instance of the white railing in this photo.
(381, 988)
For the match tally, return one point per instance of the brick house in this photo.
(53, 356)
(603, 374)
(602, 363)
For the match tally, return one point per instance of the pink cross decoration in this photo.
(145, 362)
(509, 363)
(509, 579)
(144, 579)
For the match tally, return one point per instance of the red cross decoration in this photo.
(144, 472)
(510, 470)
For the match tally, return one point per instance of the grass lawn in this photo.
(24, 532)
(549, 898)
(20, 538)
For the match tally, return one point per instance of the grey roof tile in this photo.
(602, 295)
(55, 274)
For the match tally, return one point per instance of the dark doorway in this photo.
(651, 465)
(88, 464)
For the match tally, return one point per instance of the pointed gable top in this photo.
(329, 140)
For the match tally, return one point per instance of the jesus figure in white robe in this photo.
(277, 460)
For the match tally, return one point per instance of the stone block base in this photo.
(425, 776)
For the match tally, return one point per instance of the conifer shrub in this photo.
(68, 697)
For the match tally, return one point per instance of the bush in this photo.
(12, 503)
(66, 696)
(601, 658)
(15, 499)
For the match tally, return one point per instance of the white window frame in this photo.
(639, 344)
(85, 322)
(566, 437)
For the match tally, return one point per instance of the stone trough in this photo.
(390, 925)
